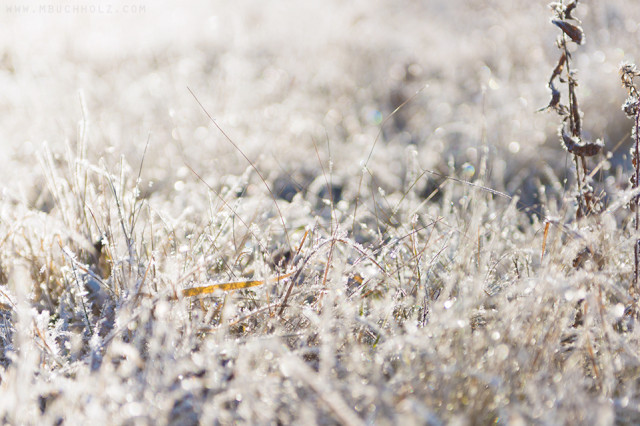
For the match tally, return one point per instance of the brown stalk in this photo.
(631, 108)
(570, 131)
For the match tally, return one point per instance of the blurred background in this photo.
(283, 76)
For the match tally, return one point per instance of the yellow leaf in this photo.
(235, 285)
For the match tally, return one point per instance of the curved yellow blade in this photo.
(235, 285)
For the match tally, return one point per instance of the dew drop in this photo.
(468, 171)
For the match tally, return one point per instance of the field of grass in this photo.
(318, 212)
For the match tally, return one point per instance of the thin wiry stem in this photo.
(636, 201)
(251, 163)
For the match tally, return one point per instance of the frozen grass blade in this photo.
(373, 146)
(273, 197)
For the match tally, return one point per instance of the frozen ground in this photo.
(414, 299)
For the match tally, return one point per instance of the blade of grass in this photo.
(251, 163)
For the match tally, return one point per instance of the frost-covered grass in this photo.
(393, 261)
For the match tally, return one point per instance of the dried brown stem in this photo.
(570, 131)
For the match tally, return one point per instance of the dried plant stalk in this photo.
(570, 130)
(631, 108)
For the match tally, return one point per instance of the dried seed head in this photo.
(555, 97)
(564, 11)
(628, 72)
(629, 68)
(569, 9)
(557, 7)
(574, 32)
(574, 145)
(557, 71)
(630, 106)
(554, 103)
